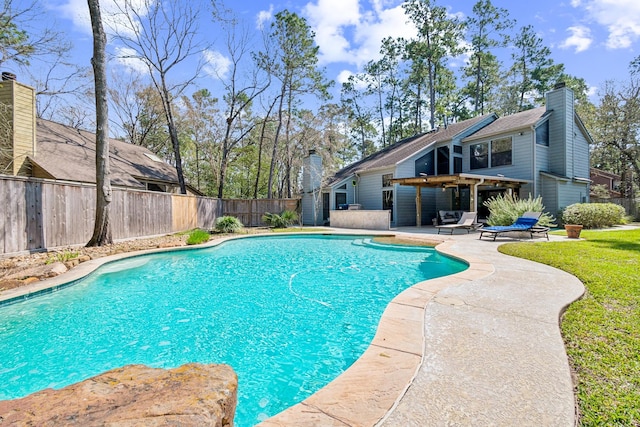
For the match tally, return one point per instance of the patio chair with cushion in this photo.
(521, 224)
(467, 222)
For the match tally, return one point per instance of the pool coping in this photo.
(395, 355)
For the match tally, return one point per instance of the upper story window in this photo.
(457, 165)
(542, 134)
(501, 152)
(386, 180)
(479, 155)
(342, 187)
(443, 160)
(425, 164)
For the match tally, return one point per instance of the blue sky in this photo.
(595, 39)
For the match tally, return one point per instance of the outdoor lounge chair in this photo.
(525, 224)
(467, 222)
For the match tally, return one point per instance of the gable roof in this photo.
(403, 149)
(522, 120)
(66, 153)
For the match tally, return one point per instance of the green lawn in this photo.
(602, 330)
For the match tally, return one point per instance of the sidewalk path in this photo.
(493, 352)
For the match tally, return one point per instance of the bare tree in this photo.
(102, 228)
(240, 93)
(140, 114)
(19, 41)
(31, 43)
(162, 35)
(60, 85)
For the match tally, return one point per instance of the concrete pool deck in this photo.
(482, 348)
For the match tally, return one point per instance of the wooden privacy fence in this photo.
(250, 212)
(38, 214)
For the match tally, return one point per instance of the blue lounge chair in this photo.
(526, 224)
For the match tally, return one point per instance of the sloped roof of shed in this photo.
(69, 154)
(401, 150)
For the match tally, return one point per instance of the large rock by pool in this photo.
(190, 395)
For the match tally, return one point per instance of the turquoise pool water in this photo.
(288, 313)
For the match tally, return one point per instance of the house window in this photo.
(457, 165)
(457, 149)
(501, 152)
(156, 187)
(386, 180)
(542, 134)
(425, 164)
(387, 201)
(341, 200)
(443, 160)
(479, 156)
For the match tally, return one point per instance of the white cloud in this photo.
(113, 17)
(330, 19)
(216, 64)
(343, 76)
(264, 16)
(580, 39)
(130, 59)
(620, 17)
(348, 32)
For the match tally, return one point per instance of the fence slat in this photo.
(38, 214)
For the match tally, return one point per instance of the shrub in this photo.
(197, 236)
(504, 209)
(228, 224)
(594, 215)
(283, 220)
(63, 256)
(289, 217)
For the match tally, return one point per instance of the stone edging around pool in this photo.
(366, 392)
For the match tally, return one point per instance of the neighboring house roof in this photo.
(522, 120)
(67, 153)
(600, 172)
(401, 150)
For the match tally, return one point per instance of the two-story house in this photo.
(539, 152)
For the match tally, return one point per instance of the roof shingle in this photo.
(69, 154)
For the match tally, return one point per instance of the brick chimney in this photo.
(17, 125)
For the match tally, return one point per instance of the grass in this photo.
(62, 257)
(198, 236)
(602, 330)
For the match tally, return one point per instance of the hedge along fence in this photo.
(38, 214)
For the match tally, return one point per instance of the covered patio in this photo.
(474, 182)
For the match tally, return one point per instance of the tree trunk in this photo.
(173, 135)
(102, 227)
(275, 144)
(262, 136)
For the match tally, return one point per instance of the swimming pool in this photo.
(288, 313)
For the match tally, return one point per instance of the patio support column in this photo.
(418, 206)
(474, 197)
